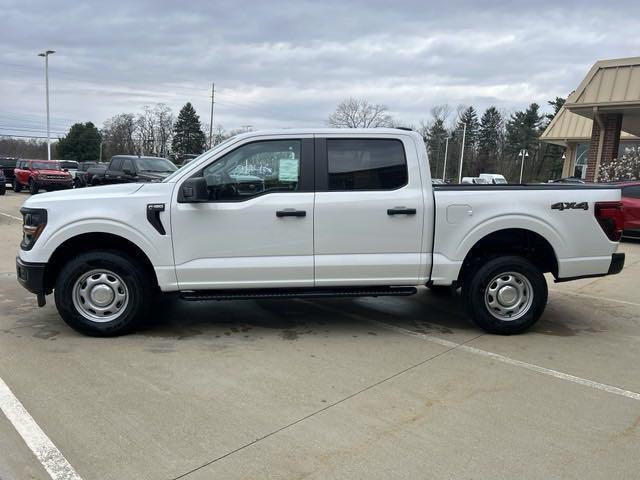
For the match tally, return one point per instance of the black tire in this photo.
(33, 187)
(138, 285)
(16, 186)
(534, 298)
(3, 189)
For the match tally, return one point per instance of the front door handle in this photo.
(291, 212)
(401, 211)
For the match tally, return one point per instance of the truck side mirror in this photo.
(128, 171)
(193, 190)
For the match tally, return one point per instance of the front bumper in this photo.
(54, 184)
(31, 276)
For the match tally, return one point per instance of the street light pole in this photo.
(446, 150)
(46, 81)
(464, 134)
(523, 153)
(213, 92)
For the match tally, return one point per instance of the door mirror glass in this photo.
(128, 171)
(193, 190)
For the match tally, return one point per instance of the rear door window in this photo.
(366, 164)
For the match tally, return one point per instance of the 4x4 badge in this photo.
(570, 206)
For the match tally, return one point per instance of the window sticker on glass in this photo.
(288, 170)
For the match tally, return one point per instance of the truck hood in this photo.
(78, 195)
(47, 171)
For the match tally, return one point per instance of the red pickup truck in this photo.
(37, 174)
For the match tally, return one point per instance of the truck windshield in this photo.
(45, 166)
(155, 165)
(221, 146)
(72, 164)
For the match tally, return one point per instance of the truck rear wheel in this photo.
(16, 186)
(103, 293)
(505, 295)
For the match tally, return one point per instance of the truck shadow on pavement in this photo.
(290, 319)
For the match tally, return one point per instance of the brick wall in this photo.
(612, 123)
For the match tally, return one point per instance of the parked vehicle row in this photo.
(40, 174)
(36, 175)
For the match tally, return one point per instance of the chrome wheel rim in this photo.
(508, 296)
(100, 295)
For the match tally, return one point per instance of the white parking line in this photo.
(510, 361)
(595, 297)
(10, 216)
(494, 356)
(42, 447)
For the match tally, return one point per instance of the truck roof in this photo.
(328, 131)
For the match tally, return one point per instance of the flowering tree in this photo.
(625, 168)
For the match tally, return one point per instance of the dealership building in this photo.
(599, 119)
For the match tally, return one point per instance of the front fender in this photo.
(51, 240)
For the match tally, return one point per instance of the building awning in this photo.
(567, 127)
(611, 86)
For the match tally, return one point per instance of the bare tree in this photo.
(359, 113)
(118, 134)
(163, 119)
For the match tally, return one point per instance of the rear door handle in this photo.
(290, 212)
(401, 211)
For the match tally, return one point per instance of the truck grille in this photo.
(55, 177)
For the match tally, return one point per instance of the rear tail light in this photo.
(610, 216)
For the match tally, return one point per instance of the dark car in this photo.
(130, 168)
(94, 174)
(3, 183)
(82, 175)
(7, 165)
(631, 204)
(40, 174)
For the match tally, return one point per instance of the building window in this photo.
(582, 155)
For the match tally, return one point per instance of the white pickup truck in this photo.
(312, 213)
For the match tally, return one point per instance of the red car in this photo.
(37, 174)
(631, 203)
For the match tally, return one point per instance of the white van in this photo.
(494, 178)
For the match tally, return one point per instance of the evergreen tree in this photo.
(188, 137)
(436, 135)
(469, 117)
(557, 105)
(523, 129)
(81, 143)
(522, 132)
(490, 137)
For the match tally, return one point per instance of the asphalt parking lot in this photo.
(350, 388)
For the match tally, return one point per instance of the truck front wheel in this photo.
(505, 295)
(103, 293)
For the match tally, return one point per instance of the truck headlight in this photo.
(33, 222)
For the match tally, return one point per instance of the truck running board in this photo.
(296, 293)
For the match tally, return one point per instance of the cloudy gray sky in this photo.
(287, 64)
